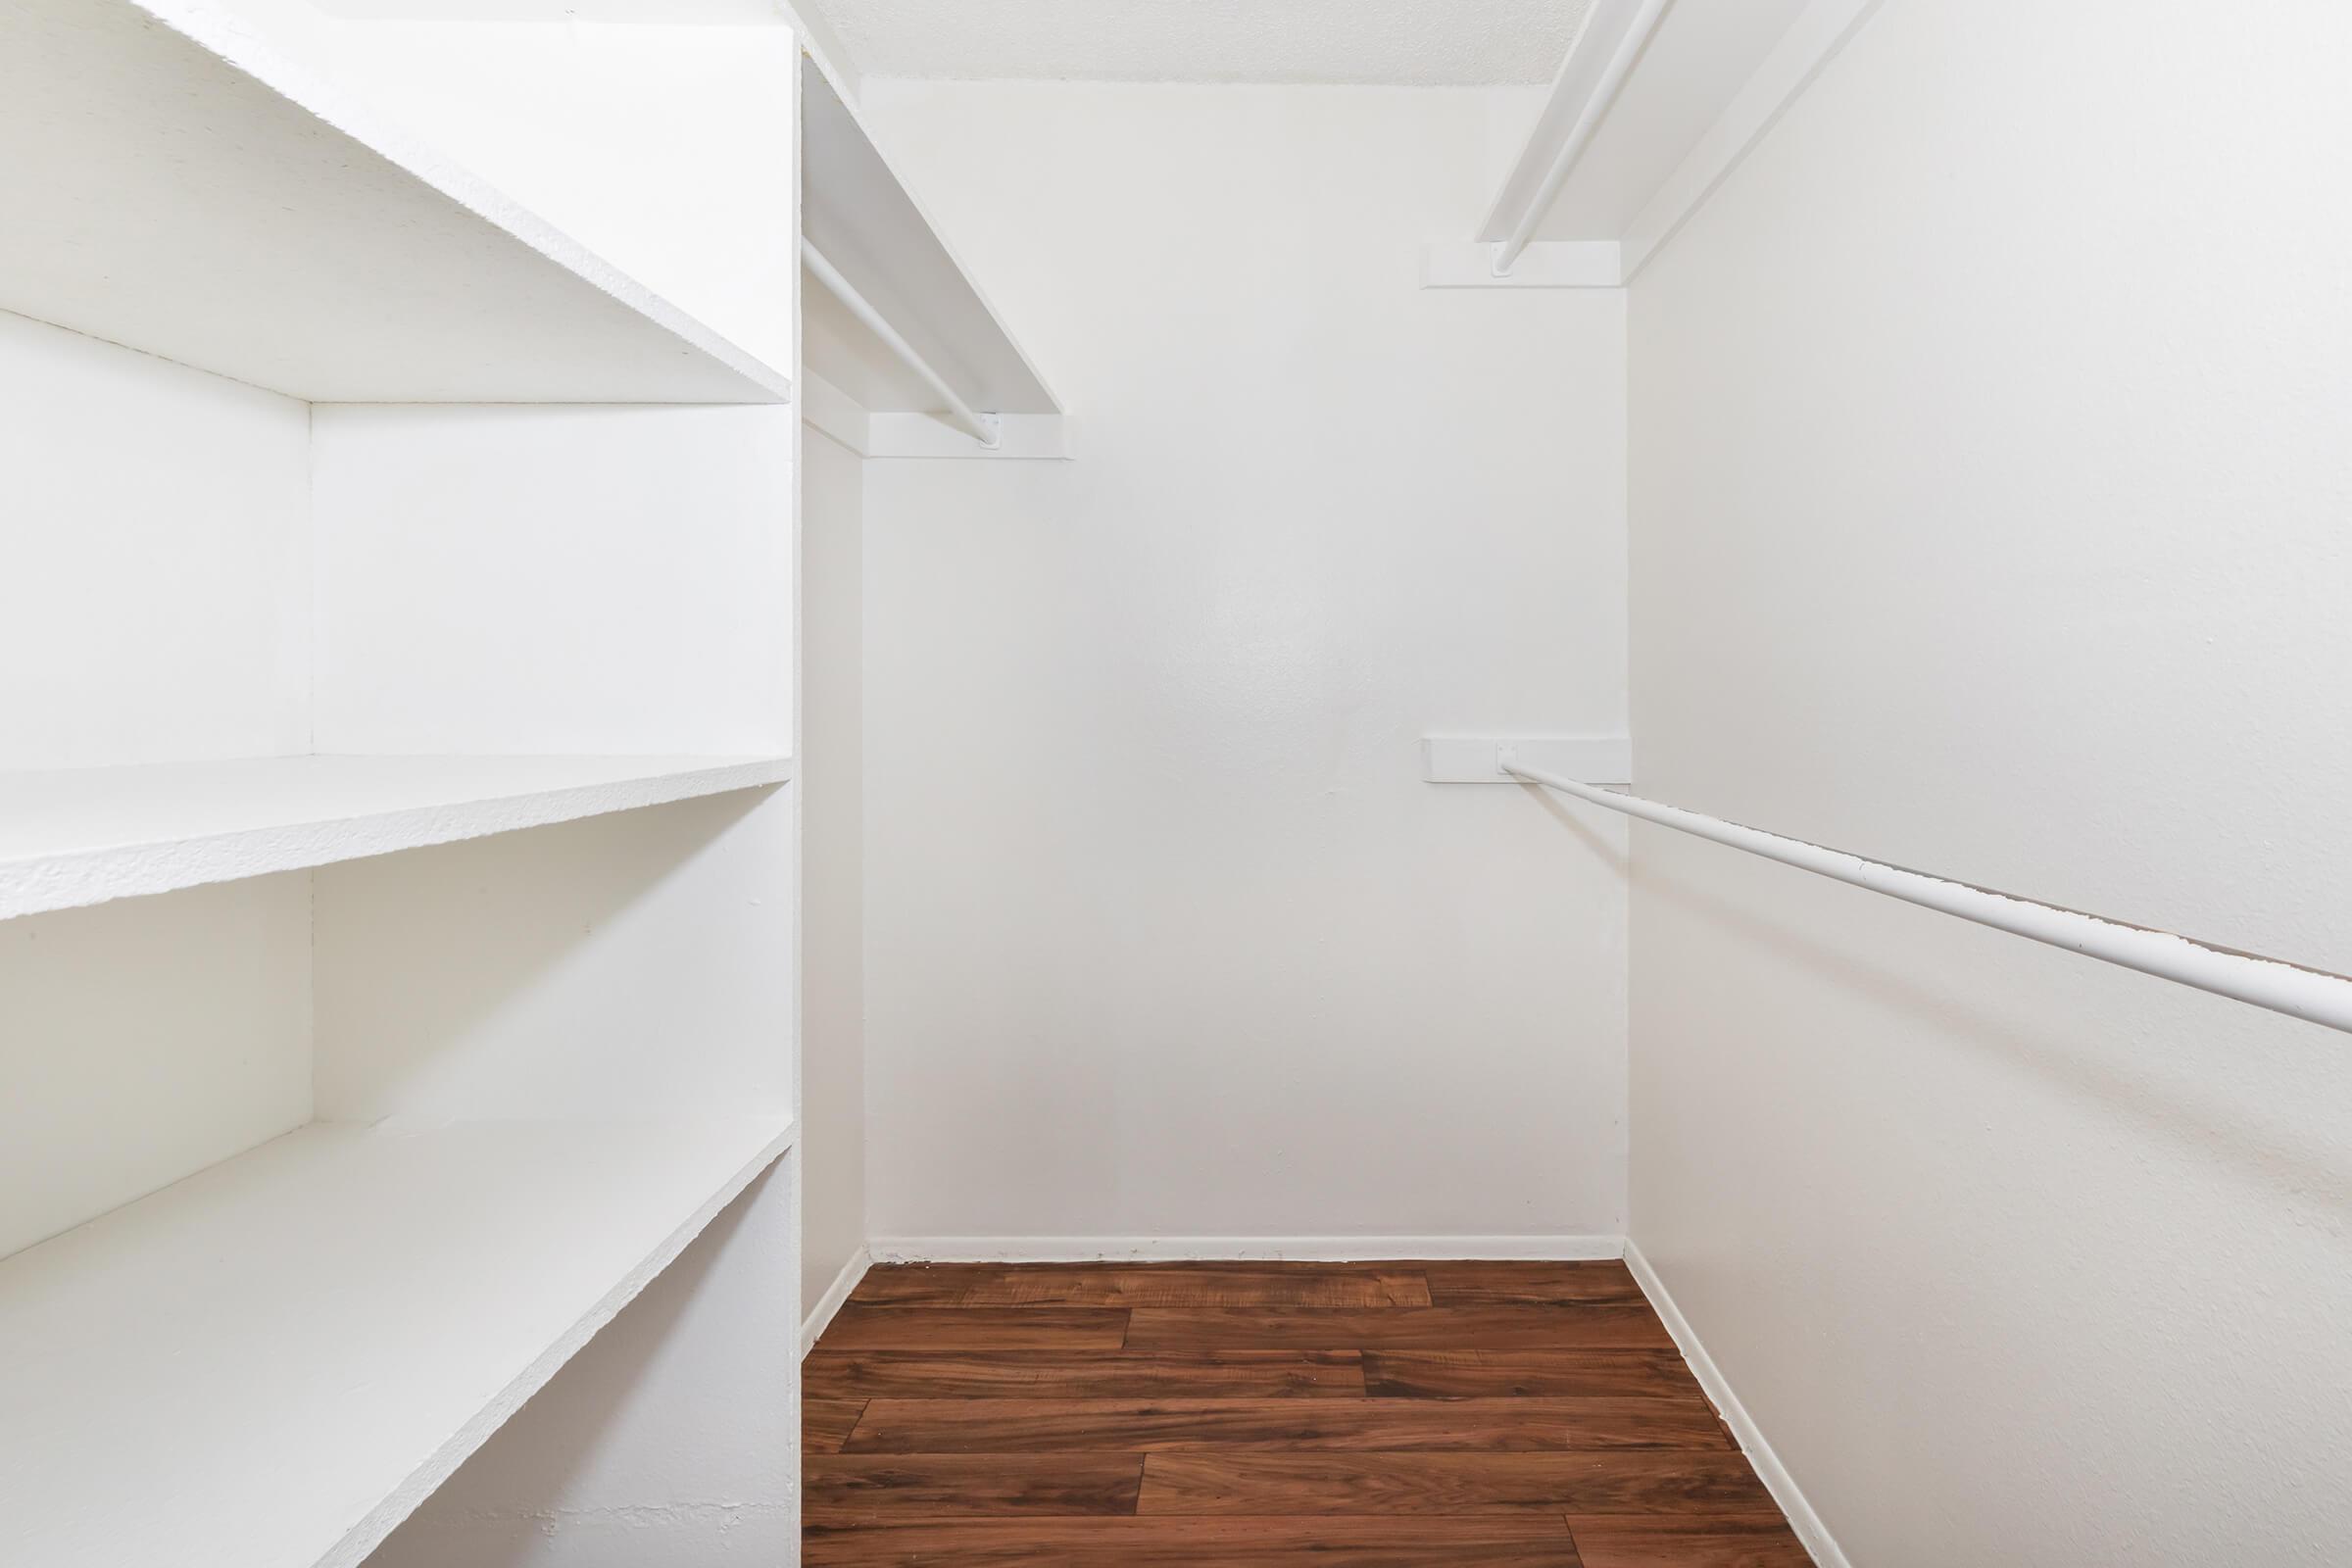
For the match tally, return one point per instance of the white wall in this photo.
(833, 866)
(651, 547)
(111, 1090)
(156, 609)
(1165, 937)
(1989, 484)
(613, 968)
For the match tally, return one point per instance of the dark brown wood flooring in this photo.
(1270, 1415)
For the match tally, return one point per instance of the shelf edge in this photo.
(81, 878)
(243, 49)
(369, 1533)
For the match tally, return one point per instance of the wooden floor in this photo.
(1370, 1415)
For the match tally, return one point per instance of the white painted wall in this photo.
(1989, 492)
(597, 579)
(613, 968)
(143, 1040)
(156, 608)
(833, 867)
(1165, 937)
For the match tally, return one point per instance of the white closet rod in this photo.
(2313, 995)
(979, 427)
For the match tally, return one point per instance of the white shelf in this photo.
(1692, 67)
(83, 836)
(857, 212)
(194, 196)
(272, 1363)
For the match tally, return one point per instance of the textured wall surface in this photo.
(1422, 42)
(1990, 488)
(1166, 937)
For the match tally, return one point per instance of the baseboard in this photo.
(1235, 1249)
(821, 1316)
(1775, 1475)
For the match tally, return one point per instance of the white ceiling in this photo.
(1424, 43)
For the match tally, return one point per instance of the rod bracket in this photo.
(1481, 759)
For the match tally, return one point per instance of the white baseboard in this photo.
(1235, 1249)
(821, 1316)
(1775, 1475)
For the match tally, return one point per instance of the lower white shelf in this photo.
(270, 1363)
(82, 836)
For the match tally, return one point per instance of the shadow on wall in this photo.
(2286, 1160)
(1567, 817)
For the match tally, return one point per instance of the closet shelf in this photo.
(862, 217)
(83, 836)
(1652, 108)
(196, 198)
(270, 1362)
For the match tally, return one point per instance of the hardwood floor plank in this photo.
(1672, 1542)
(1657, 1481)
(931, 1328)
(1270, 1415)
(826, 1424)
(1366, 1426)
(831, 1373)
(1332, 1284)
(1461, 1284)
(1539, 1542)
(1597, 1325)
(841, 1489)
(1530, 1374)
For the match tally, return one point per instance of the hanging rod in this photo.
(2313, 995)
(981, 428)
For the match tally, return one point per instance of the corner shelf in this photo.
(82, 836)
(351, 1310)
(195, 198)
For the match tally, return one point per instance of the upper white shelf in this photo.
(1654, 105)
(83, 836)
(1702, 54)
(193, 196)
(857, 212)
(270, 1363)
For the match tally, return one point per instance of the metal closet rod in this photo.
(961, 415)
(2313, 995)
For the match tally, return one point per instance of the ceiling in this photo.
(1421, 42)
